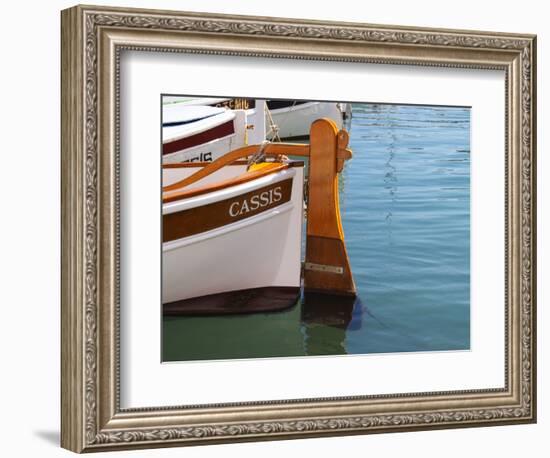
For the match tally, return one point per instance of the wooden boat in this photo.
(203, 133)
(236, 229)
(291, 119)
(232, 229)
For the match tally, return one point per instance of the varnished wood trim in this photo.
(243, 178)
(325, 244)
(201, 219)
(183, 165)
(328, 251)
(292, 164)
(289, 149)
(189, 165)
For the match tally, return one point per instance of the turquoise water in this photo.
(405, 202)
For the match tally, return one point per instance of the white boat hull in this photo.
(256, 252)
(295, 121)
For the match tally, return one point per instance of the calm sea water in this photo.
(405, 202)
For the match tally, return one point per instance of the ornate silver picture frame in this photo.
(93, 39)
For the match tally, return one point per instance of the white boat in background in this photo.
(202, 133)
(237, 230)
(292, 118)
(178, 99)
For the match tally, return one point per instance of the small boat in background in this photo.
(204, 129)
(209, 101)
(291, 119)
(193, 132)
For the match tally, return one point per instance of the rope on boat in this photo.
(273, 128)
(258, 156)
(277, 127)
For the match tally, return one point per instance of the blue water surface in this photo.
(406, 207)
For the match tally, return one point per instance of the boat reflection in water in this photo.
(326, 319)
(329, 310)
(315, 326)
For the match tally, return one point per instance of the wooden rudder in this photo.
(327, 267)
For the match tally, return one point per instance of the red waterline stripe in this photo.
(198, 139)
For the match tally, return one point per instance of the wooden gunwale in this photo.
(184, 165)
(271, 149)
(240, 179)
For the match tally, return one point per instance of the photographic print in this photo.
(296, 228)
